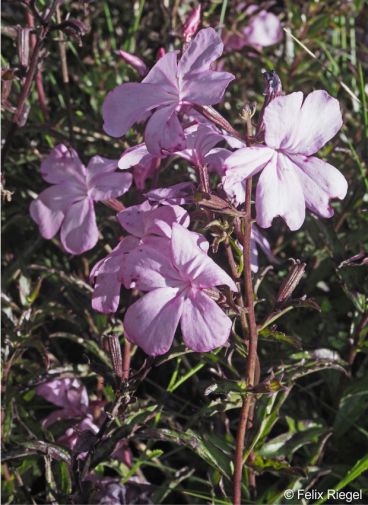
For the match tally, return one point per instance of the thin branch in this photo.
(252, 359)
(18, 115)
(65, 76)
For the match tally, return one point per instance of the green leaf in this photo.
(275, 466)
(279, 336)
(203, 446)
(357, 470)
(62, 477)
(90, 345)
(287, 443)
(353, 404)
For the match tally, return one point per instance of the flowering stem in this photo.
(39, 81)
(126, 359)
(252, 348)
(18, 118)
(65, 75)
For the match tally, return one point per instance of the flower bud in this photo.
(160, 53)
(291, 281)
(75, 29)
(273, 86)
(134, 62)
(191, 25)
(114, 348)
(273, 89)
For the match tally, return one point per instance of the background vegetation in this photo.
(310, 428)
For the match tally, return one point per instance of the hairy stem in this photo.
(126, 359)
(65, 75)
(252, 348)
(39, 81)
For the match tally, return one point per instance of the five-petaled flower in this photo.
(263, 29)
(291, 177)
(69, 203)
(170, 86)
(177, 284)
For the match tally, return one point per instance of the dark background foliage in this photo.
(311, 430)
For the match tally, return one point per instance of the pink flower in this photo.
(69, 203)
(169, 86)
(144, 164)
(178, 194)
(263, 29)
(177, 283)
(291, 177)
(73, 435)
(67, 393)
(134, 61)
(201, 140)
(192, 23)
(150, 231)
(71, 395)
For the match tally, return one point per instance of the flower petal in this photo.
(205, 48)
(48, 220)
(133, 156)
(149, 266)
(258, 238)
(113, 262)
(206, 88)
(164, 134)
(178, 194)
(279, 193)
(193, 263)
(60, 196)
(164, 73)
(203, 324)
(131, 219)
(145, 164)
(247, 162)
(200, 139)
(129, 103)
(318, 121)
(242, 164)
(264, 29)
(108, 276)
(206, 138)
(151, 322)
(110, 185)
(145, 170)
(62, 163)
(280, 118)
(99, 165)
(320, 182)
(106, 293)
(66, 392)
(159, 221)
(215, 160)
(79, 231)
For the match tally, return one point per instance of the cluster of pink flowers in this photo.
(158, 255)
(71, 396)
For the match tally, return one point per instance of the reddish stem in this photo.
(126, 359)
(28, 81)
(252, 347)
(39, 81)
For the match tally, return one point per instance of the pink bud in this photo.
(134, 62)
(192, 23)
(160, 53)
